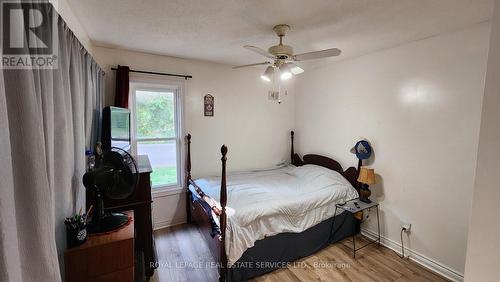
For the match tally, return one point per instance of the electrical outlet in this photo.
(406, 226)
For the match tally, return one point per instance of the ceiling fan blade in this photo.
(252, 65)
(259, 51)
(317, 54)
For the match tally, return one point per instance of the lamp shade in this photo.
(294, 68)
(267, 75)
(286, 73)
(367, 176)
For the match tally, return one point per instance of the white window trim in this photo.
(161, 83)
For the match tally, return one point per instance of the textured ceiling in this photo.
(215, 30)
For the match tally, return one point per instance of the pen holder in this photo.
(75, 235)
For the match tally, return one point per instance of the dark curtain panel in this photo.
(122, 87)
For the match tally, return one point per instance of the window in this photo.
(156, 115)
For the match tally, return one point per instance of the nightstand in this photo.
(355, 206)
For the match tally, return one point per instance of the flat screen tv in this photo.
(115, 128)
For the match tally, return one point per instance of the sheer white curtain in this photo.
(47, 119)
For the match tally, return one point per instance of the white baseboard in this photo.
(167, 223)
(424, 261)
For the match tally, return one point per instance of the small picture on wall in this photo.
(209, 105)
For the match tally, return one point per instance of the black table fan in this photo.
(116, 178)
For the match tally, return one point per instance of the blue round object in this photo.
(363, 150)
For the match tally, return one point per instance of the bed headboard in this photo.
(351, 174)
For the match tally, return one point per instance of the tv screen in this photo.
(116, 128)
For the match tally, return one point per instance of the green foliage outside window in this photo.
(155, 114)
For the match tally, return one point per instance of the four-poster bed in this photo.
(209, 211)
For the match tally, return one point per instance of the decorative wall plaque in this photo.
(209, 105)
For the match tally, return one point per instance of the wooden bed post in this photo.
(223, 219)
(188, 178)
(294, 158)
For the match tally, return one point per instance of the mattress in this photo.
(268, 202)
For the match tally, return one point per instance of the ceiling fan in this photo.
(283, 59)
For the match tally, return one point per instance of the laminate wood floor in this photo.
(184, 256)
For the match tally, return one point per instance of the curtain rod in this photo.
(186, 77)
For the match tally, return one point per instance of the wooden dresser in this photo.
(107, 257)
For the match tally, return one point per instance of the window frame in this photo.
(139, 82)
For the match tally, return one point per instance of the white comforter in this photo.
(265, 203)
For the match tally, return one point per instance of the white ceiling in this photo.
(215, 30)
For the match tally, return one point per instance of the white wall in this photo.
(483, 250)
(254, 128)
(420, 105)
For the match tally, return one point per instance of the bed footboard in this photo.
(201, 211)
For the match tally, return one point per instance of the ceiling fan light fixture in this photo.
(292, 68)
(285, 75)
(284, 57)
(267, 75)
(285, 71)
(296, 69)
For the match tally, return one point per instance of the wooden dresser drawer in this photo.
(124, 275)
(108, 257)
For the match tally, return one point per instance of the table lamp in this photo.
(366, 177)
